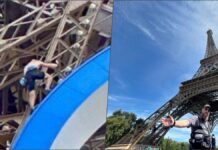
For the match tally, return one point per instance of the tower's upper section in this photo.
(211, 49)
(210, 62)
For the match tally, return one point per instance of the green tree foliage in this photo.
(118, 125)
(167, 144)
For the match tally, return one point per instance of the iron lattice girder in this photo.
(208, 65)
(155, 139)
(188, 106)
(192, 105)
(150, 122)
(35, 45)
(211, 49)
(210, 62)
(161, 130)
(208, 83)
(188, 90)
(24, 30)
(62, 32)
(34, 31)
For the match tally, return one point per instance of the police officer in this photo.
(200, 128)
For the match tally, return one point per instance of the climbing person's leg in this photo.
(48, 81)
(31, 77)
(40, 75)
(31, 89)
(32, 99)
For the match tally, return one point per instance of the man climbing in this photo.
(33, 71)
(200, 128)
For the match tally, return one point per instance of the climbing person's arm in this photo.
(49, 65)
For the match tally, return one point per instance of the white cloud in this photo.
(117, 78)
(112, 98)
(137, 24)
(146, 31)
(157, 27)
(122, 98)
(171, 24)
(120, 82)
(187, 31)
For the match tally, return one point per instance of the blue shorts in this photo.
(31, 76)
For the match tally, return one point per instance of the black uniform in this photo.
(200, 134)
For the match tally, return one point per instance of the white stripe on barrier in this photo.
(84, 122)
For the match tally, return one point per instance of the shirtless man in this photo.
(33, 71)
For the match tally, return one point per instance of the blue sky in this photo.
(155, 46)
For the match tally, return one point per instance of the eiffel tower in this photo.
(192, 95)
(68, 30)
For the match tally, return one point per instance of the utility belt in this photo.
(200, 141)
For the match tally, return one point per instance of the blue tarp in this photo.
(42, 127)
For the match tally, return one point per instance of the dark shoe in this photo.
(46, 92)
(33, 109)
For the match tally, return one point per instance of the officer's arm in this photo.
(182, 123)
